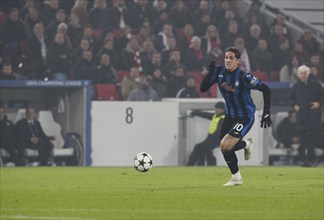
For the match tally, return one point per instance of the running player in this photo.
(235, 86)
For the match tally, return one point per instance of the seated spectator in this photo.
(308, 40)
(147, 52)
(231, 34)
(100, 15)
(75, 30)
(253, 36)
(287, 132)
(185, 41)
(174, 60)
(52, 27)
(203, 151)
(88, 34)
(166, 52)
(280, 20)
(180, 14)
(49, 11)
(163, 18)
(143, 92)
(37, 49)
(128, 83)
(262, 56)
(7, 72)
(315, 62)
(63, 29)
(299, 51)
(281, 55)
(194, 59)
(78, 51)
(153, 64)
(33, 17)
(247, 61)
(161, 39)
(211, 39)
(59, 59)
(84, 67)
(140, 13)
(7, 135)
(108, 48)
(104, 73)
(202, 25)
(31, 135)
(13, 34)
(80, 8)
(131, 55)
(177, 81)
(288, 72)
(159, 83)
(190, 90)
(276, 37)
(119, 15)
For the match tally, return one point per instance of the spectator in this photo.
(84, 67)
(28, 5)
(104, 73)
(223, 25)
(31, 135)
(88, 34)
(184, 43)
(166, 52)
(231, 34)
(253, 37)
(246, 61)
(153, 64)
(175, 60)
(147, 52)
(177, 81)
(210, 40)
(100, 15)
(84, 45)
(108, 48)
(288, 72)
(202, 25)
(143, 92)
(255, 19)
(190, 90)
(49, 11)
(13, 35)
(52, 26)
(119, 15)
(7, 72)
(308, 40)
(63, 29)
(7, 135)
(281, 55)
(262, 56)
(280, 20)
(219, 13)
(299, 51)
(163, 18)
(37, 50)
(315, 62)
(59, 59)
(162, 38)
(306, 96)
(288, 133)
(80, 8)
(75, 30)
(276, 37)
(159, 83)
(141, 12)
(31, 19)
(194, 59)
(131, 55)
(202, 152)
(203, 9)
(255, 11)
(179, 14)
(128, 83)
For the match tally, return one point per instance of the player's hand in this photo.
(211, 67)
(266, 120)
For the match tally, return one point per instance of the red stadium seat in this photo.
(274, 76)
(261, 75)
(197, 75)
(107, 92)
(121, 74)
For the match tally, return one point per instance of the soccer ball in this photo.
(143, 162)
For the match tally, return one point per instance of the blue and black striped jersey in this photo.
(236, 89)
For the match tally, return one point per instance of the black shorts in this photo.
(236, 127)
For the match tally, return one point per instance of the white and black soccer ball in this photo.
(143, 162)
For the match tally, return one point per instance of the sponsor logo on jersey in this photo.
(237, 83)
(227, 87)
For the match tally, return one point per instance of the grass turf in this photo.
(162, 193)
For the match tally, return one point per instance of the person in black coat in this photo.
(306, 96)
(31, 135)
(189, 91)
(7, 135)
(203, 151)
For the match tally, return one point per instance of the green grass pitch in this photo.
(72, 193)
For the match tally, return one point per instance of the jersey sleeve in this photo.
(251, 81)
(210, 79)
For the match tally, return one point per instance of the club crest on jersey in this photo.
(227, 87)
(254, 81)
(237, 83)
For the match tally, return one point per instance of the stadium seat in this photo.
(261, 75)
(196, 75)
(107, 91)
(121, 74)
(274, 75)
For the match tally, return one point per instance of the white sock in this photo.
(247, 144)
(237, 175)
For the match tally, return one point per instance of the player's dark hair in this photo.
(235, 51)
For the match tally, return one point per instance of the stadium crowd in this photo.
(171, 42)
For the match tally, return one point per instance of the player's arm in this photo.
(210, 78)
(205, 115)
(266, 120)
